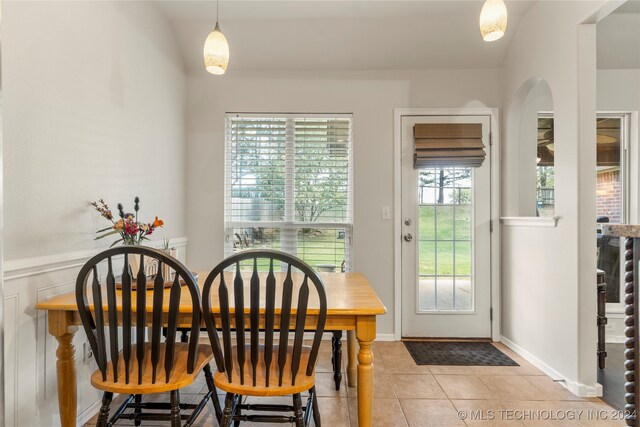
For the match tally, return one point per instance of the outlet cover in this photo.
(87, 353)
(386, 212)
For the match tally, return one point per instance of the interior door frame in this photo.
(493, 114)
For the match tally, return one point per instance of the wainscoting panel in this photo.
(30, 360)
(10, 359)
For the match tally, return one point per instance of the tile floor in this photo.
(423, 396)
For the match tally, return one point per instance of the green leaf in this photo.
(116, 242)
(104, 229)
(107, 234)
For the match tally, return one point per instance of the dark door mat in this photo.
(457, 353)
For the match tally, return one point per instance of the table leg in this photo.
(60, 327)
(336, 358)
(366, 333)
(351, 358)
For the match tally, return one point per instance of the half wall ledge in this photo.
(530, 221)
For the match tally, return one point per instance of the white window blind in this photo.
(288, 186)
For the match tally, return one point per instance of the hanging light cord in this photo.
(217, 9)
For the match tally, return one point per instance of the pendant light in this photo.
(493, 20)
(216, 50)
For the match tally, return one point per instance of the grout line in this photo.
(403, 414)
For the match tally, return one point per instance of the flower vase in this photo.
(167, 271)
(134, 265)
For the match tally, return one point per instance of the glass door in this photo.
(446, 254)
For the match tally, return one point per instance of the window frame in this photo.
(625, 181)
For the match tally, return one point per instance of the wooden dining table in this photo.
(352, 305)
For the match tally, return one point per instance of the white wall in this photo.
(94, 109)
(618, 90)
(548, 304)
(371, 98)
(93, 106)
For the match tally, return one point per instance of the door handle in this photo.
(408, 237)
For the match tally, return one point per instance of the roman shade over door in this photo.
(448, 145)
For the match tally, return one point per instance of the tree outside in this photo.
(458, 181)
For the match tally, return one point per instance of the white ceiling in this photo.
(312, 35)
(618, 38)
(630, 6)
(342, 34)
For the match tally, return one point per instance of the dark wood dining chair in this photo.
(279, 366)
(145, 365)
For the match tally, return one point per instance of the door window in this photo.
(445, 239)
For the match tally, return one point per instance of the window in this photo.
(446, 239)
(612, 139)
(288, 186)
(545, 169)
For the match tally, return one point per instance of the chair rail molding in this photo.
(30, 364)
(18, 268)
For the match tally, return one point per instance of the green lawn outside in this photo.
(315, 246)
(324, 247)
(436, 230)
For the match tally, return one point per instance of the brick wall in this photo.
(609, 195)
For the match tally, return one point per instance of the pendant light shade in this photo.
(493, 20)
(216, 52)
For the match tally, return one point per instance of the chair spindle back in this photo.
(95, 323)
(269, 313)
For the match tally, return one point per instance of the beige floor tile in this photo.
(326, 386)
(483, 413)
(324, 363)
(393, 350)
(386, 413)
(115, 404)
(207, 417)
(525, 367)
(334, 412)
(550, 389)
(543, 413)
(430, 413)
(598, 413)
(512, 387)
(530, 370)
(506, 370)
(464, 387)
(416, 387)
(382, 387)
(406, 394)
(197, 386)
(449, 370)
(402, 364)
(270, 400)
(391, 346)
(206, 413)
(378, 361)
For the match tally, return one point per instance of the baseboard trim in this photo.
(386, 337)
(529, 357)
(90, 412)
(581, 390)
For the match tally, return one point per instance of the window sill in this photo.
(530, 221)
